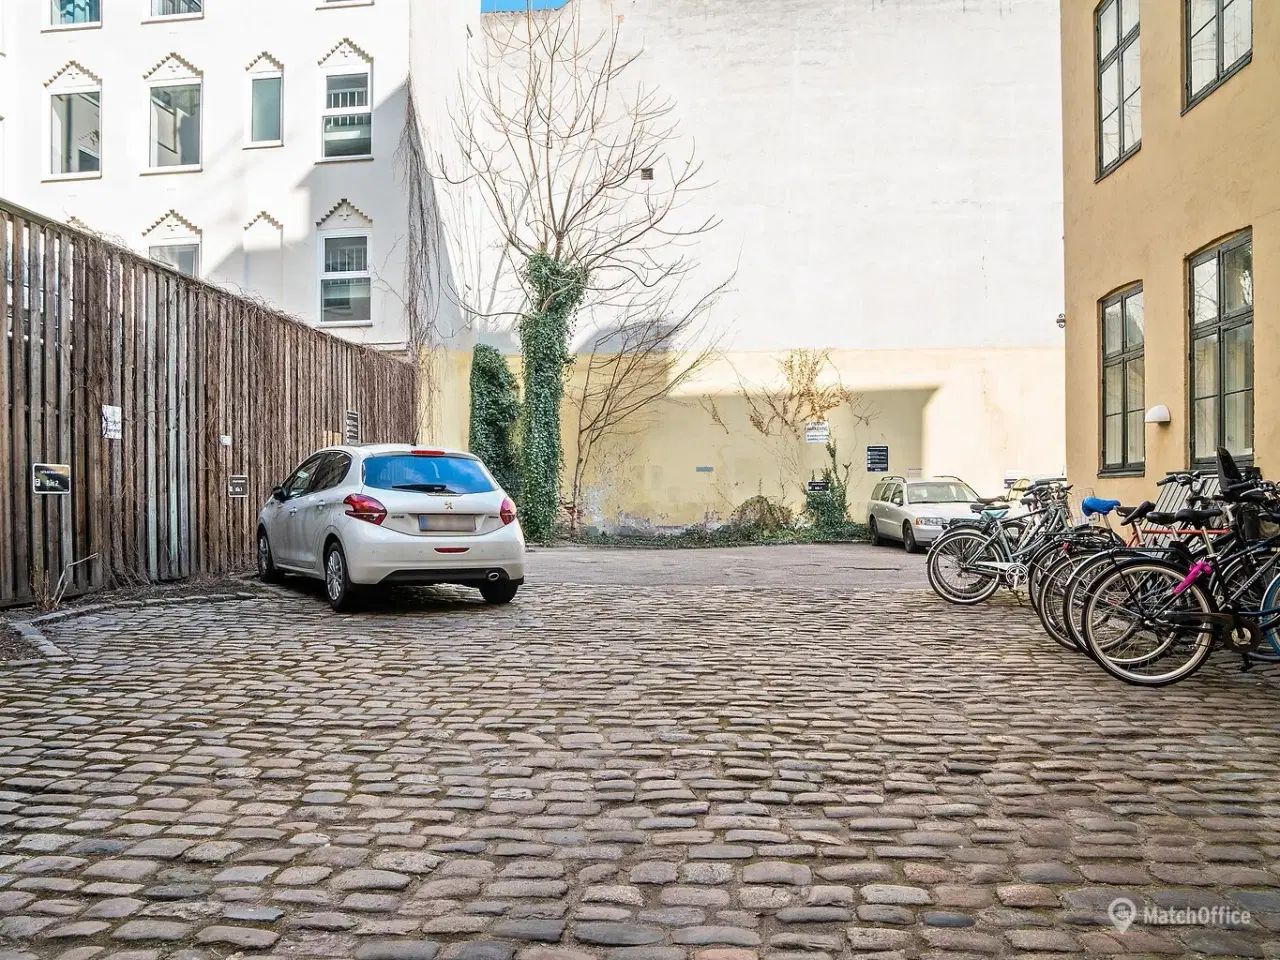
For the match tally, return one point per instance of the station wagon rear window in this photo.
(427, 474)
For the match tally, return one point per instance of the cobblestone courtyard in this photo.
(791, 754)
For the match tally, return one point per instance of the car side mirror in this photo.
(277, 493)
(897, 501)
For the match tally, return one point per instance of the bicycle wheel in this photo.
(1270, 623)
(1128, 627)
(951, 572)
(1053, 588)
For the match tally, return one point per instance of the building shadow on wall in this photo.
(695, 457)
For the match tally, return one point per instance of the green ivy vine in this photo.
(556, 289)
(495, 410)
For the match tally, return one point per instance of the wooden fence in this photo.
(156, 390)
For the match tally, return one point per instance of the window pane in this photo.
(344, 300)
(1237, 31)
(1129, 16)
(1132, 62)
(1204, 57)
(349, 136)
(346, 254)
(1237, 423)
(1113, 389)
(175, 126)
(1133, 321)
(1204, 367)
(347, 92)
(1205, 414)
(1109, 89)
(1113, 440)
(185, 258)
(1204, 291)
(1133, 120)
(175, 8)
(1135, 438)
(75, 133)
(1237, 358)
(1111, 139)
(1134, 385)
(1107, 29)
(1112, 341)
(265, 122)
(1237, 278)
(76, 11)
(1202, 11)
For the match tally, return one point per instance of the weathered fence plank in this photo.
(87, 325)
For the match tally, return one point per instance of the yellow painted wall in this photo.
(975, 413)
(444, 397)
(1197, 178)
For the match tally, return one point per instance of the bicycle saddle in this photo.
(1134, 514)
(1192, 515)
(1162, 518)
(1096, 505)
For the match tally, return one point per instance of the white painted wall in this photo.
(888, 171)
(257, 211)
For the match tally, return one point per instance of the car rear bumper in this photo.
(378, 556)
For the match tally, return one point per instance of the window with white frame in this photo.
(183, 257)
(75, 125)
(177, 8)
(266, 102)
(345, 278)
(68, 13)
(74, 130)
(348, 118)
(175, 125)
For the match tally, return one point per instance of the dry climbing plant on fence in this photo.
(209, 386)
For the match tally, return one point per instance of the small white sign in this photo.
(817, 431)
(225, 440)
(112, 422)
(351, 427)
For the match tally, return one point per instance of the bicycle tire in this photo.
(1149, 585)
(943, 548)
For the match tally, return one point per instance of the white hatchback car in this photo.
(388, 514)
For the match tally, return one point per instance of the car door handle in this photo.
(293, 511)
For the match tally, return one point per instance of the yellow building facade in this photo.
(1171, 130)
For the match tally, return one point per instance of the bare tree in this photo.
(779, 412)
(582, 173)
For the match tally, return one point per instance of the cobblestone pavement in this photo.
(704, 772)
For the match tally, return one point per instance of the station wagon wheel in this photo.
(873, 535)
(908, 537)
(267, 571)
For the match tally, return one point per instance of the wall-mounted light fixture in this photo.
(1157, 414)
(1062, 321)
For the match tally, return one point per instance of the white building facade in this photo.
(258, 144)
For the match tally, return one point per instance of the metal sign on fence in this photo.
(351, 427)
(51, 478)
(238, 488)
(112, 422)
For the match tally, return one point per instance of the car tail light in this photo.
(426, 453)
(508, 512)
(365, 508)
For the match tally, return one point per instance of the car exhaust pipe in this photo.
(493, 576)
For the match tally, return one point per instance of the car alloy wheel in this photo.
(335, 575)
(908, 538)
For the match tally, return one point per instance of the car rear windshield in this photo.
(940, 493)
(425, 474)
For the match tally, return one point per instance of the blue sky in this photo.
(499, 6)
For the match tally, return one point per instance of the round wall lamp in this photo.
(1157, 414)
